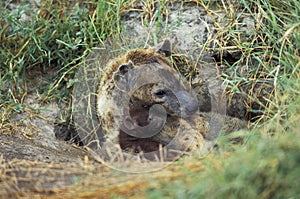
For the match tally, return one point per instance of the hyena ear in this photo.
(165, 48)
(120, 77)
(124, 68)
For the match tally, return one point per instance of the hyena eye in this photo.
(146, 106)
(153, 60)
(161, 93)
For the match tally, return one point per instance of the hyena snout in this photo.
(188, 103)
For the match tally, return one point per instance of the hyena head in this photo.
(152, 80)
(148, 93)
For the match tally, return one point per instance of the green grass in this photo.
(53, 42)
(266, 52)
(55, 39)
(264, 168)
(267, 164)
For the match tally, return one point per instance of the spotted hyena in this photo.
(143, 104)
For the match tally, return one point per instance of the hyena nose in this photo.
(188, 104)
(192, 107)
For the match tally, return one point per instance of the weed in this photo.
(43, 50)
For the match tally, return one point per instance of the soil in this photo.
(40, 144)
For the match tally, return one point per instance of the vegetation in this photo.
(52, 42)
(266, 165)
